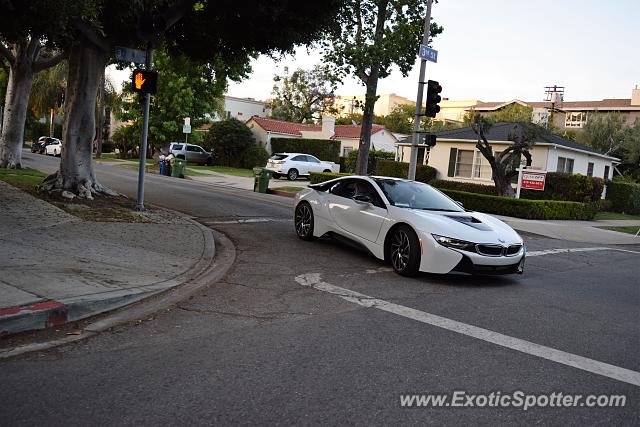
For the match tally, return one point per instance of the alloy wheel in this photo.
(303, 220)
(400, 250)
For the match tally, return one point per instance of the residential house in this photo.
(456, 157)
(386, 103)
(349, 135)
(243, 108)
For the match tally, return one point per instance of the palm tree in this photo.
(47, 93)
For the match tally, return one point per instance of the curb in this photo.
(51, 313)
(148, 304)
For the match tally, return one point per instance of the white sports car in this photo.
(410, 224)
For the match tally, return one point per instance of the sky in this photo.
(498, 50)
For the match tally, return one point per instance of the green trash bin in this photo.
(261, 177)
(178, 168)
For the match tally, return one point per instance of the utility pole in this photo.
(145, 130)
(421, 82)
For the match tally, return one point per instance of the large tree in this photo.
(212, 32)
(305, 95)
(26, 56)
(370, 38)
(504, 164)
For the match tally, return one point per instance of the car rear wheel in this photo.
(404, 251)
(292, 175)
(303, 220)
(326, 170)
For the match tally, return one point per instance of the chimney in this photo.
(635, 96)
(328, 126)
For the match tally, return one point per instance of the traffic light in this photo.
(433, 89)
(144, 81)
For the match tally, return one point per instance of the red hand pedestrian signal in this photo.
(144, 81)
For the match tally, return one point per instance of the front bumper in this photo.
(437, 258)
(467, 266)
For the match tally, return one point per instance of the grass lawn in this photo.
(615, 215)
(224, 170)
(24, 179)
(290, 189)
(630, 229)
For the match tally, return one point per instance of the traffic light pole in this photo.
(143, 139)
(416, 124)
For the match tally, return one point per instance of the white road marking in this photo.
(314, 280)
(570, 250)
(249, 221)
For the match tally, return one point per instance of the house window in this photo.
(464, 163)
(565, 165)
(590, 169)
(346, 151)
(481, 167)
(606, 172)
(575, 120)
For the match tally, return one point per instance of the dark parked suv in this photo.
(40, 145)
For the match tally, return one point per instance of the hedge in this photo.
(318, 177)
(374, 156)
(395, 169)
(521, 208)
(467, 187)
(323, 149)
(568, 187)
(558, 186)
(624, 197)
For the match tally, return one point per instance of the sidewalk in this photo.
(576, 231)
(243, 182)
(57, 268)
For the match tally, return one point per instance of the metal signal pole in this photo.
(421, 82)
(145, 131)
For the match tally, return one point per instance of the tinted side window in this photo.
(177, 147)
(191, 148)
(367, 189)
(300, 159)
(312, 159)
(345, 189)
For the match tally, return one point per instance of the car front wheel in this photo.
(292, 175)
(303, 220)
(404, 251)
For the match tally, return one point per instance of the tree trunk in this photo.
(17, 98)
(502, 183)
(367, 123)
(86, 66)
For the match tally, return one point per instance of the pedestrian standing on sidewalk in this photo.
(169, 162)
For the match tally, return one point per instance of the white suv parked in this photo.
(191, 153)
(293, 165)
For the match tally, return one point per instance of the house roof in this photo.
(288, 128)
(500, 132)
(605, 104)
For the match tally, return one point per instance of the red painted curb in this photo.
(40, 306)
(281, 193)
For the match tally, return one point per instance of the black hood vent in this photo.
(471, 221)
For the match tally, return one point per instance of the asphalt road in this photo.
(260, 348)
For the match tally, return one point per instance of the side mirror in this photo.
(362, 199)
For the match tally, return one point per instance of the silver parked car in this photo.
(191, 153)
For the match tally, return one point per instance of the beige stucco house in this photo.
(349, 135)
(456, 158)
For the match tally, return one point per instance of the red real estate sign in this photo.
(533, 180)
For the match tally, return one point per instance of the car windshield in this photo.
(416, 195)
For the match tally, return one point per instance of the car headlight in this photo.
(450, 242)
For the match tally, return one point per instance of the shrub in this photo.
(323, 149)
(374, 156)
(521, 208)
(230, 140)
(467, 187)
(318, 177)
(395, 169)
(255, 156)
(624, 197)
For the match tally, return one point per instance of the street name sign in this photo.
(427, 53)
(127, 54)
